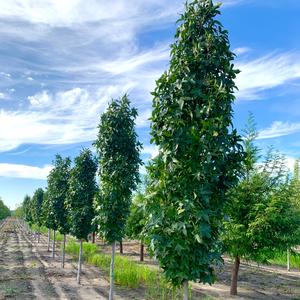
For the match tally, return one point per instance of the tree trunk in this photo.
(53, 245)
(79, 263)
(121, 247)
(39, 236)
(63, 252)
(48, 240)
(185, 286)
(93, 237)
(288, 259)
(234, 276)
(112, 265)
(142, 251)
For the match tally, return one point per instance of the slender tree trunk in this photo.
(142, 251)
(79, 263)
(288, 254)
(112, 266)
(63, 252)
(53, 244)
(93, 237)
(185, 286)
(234, 276)
(121, 247)
(48, 240)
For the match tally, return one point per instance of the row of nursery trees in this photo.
(209, 190)
(4, 210)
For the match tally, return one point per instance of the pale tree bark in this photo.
(48, 240)
(53, 244)
(288, 254)
(79, 263)
(185, 286)
(112, 266)
(234, 276)
(63, 252)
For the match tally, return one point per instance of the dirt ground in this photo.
(28, 272)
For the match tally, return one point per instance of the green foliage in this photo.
(27, 210)
(119, 161)
(82, 189)
(199, 151)
(260, 214)
(136, 220)
(19, 212)
(4, 210)
(280, 258)
(58, 183)
(36, 206)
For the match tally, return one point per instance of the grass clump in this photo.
(280, 259)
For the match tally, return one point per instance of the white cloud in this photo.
(279, 128)
(266, 72)
(241, 50)
(3, 96)
(24, 171)
(152, 150)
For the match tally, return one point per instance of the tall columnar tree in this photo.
(82, 189)
(119, 161)
(27, 210)
(48, 217)
(260, 217)
(199, 151)
(37, 203)
(58, 183)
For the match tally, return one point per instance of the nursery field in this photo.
(27, 271)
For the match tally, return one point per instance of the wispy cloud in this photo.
(266, 72)
(279, 128)
(24, 171)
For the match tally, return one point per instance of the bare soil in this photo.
(27, 271)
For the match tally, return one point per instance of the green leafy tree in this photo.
(199, 151)
(4, 210)
(119, 161)
(58, 183)
(48, 217)
(82, 189)
(36, 206)
(136, 221)
(260, 217)
(27, 210)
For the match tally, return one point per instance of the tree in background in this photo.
(36, 206)
(82, 189)
(27, 210)
(136, 221)
(4, 210)
(199, 151)
(260, 218)
(119, 161)
(48, 217)
(58, 183)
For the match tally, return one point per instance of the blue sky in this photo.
(62, 61)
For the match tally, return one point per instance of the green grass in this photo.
(44, 230)
(128, 273)
(280, 259)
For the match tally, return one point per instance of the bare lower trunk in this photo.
(39, 236)
(48, 240)
(53, 244)
(185, 286)
(234, 276)
(121, 247)
(288, 259)
(79, 263)
(93, 237)
(112, 265)
(142, 252)
(63, 252)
